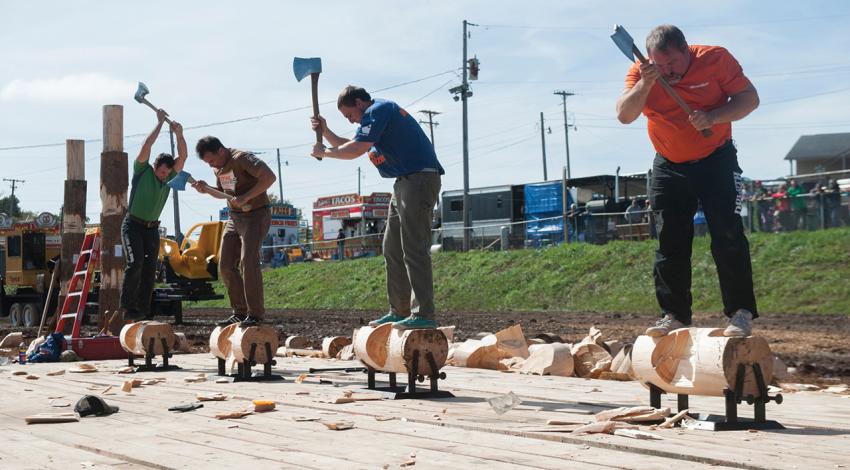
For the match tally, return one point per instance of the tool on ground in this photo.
(53, 277)
(180, 180)
(626, 44)
(312, 67)
(141, 92)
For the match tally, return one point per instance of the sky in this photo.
(225, 69)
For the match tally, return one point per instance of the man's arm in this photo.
(145, 152)
(181, 147)
(632, 101)
(350, 150)
(265, 178)
(738, 107)
(333, 139)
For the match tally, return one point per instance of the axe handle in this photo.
(670, 91)
(156, 110)
(211, 190)
(314, 89)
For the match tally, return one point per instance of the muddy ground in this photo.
(817, 346)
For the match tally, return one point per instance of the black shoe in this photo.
(230, 320)
(250, 321)
(133, 315)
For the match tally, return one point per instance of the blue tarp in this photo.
(544, 201)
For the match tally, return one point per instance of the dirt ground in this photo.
(815, 345)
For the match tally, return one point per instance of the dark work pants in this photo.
(676, 188)
(141, 249)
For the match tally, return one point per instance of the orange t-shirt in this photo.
(713, 76)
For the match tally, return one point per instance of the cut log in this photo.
(701, 361)
(283, 351)
(511, 342)
(243, 338)
(12, 340)
(220, 340)
(333, 345)
(346, 353)
(590, 359)
(181, 343)
(390, 350)
(478, 354)
(622, 362)
(135, 338)
(549, 359)
(296, 342)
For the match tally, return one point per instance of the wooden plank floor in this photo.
(451, 433)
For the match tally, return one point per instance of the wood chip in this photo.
(670, 422)
(127, 370)
(223, 380)
(261, 406)
(56, 372)
(83, 368)
(300, 378)
(32, 377)
(20, 372)
(196, 378)
(301, 419)
(59, 404)
(52, 418)
(607, 427)
(338, 425)
(408, 463)
(127, 387)
(211, 397)
(233, 414)
(558, 422)
(384, 418)
(349, 397)
(636, 434)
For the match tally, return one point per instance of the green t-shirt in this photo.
(149, 194)
(797, 202)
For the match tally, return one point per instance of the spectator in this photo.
(634, 214)
(832, 202)
(782, 213)
(340, 243)
(764, 207)
(798, 206)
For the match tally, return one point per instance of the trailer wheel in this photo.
(30, 315)
(15, 312)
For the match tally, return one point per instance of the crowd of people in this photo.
(792, 207)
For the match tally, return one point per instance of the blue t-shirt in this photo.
(399, 145)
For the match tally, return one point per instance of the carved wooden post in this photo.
(73, 212)
(113, 198)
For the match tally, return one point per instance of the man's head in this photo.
(352, 102)
(162, 166)
(211, 151)
(793, 183)
(668, 49)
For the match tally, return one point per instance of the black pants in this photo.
(715, 182)
(141, 248)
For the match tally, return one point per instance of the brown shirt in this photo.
(241, 172)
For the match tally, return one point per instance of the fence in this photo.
(781, 213)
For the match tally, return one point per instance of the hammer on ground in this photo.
(626, 44)
(180, 180)
(141, 92)
(312, 67)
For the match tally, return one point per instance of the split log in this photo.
(549, 359)
(283, 351)
(487, 352)
(135, 338)
(296, 342)
(591, 360)
(220, 340)
(701, 361)
(333, 345)
(12, 340)
(243, 338)
(390, 350)
(181, 343)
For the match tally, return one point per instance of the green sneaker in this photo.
(415, 323)
(388, 318)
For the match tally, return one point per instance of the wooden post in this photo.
(73, 213)
(113, 198)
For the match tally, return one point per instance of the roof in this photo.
(820, 146)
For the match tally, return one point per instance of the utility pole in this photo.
(465, 93)
(178, 235)
(564, 95)
(543, 144)
(430, 122)
(14, 184)
(358, 180)
(280, 176)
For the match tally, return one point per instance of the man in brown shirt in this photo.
(246, 177)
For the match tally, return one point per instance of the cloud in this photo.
(89, 87)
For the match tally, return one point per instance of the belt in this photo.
(700, 160)
(424, 170)
(143, 222)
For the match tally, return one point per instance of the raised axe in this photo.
(179, 183)
(626, 44)
(141, 92)
(312, 67)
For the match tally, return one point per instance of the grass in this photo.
(798, 272)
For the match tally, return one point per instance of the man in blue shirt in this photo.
(398, 147)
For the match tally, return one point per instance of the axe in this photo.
(141, 92)
(312, 67)
(626, 44)
(180, 180)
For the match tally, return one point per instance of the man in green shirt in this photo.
(798, 205)
(140, 230)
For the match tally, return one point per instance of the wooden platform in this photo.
(459, 433)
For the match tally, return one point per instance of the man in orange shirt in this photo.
(690, 168)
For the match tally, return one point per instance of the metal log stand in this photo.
(149, 366)
(731, 421)
(396, 392)
(243, 369)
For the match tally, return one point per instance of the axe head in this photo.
(179, 181)
(624, 41)
(141, 92)
(303, 67)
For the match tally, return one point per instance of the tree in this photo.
(11, 206)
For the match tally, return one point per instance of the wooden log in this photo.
(12, 340)
(478, 354)
(700, 361)
(390, 350)
(73, 213)
(549, 359)
(590, 360)
(242, 339)
(135, 337)
(283, 351)
(511, 342)
(220, 340)
(333, 345)
(127, 336)
(296, 342)
(113, 197)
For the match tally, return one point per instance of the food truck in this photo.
(362, 219)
